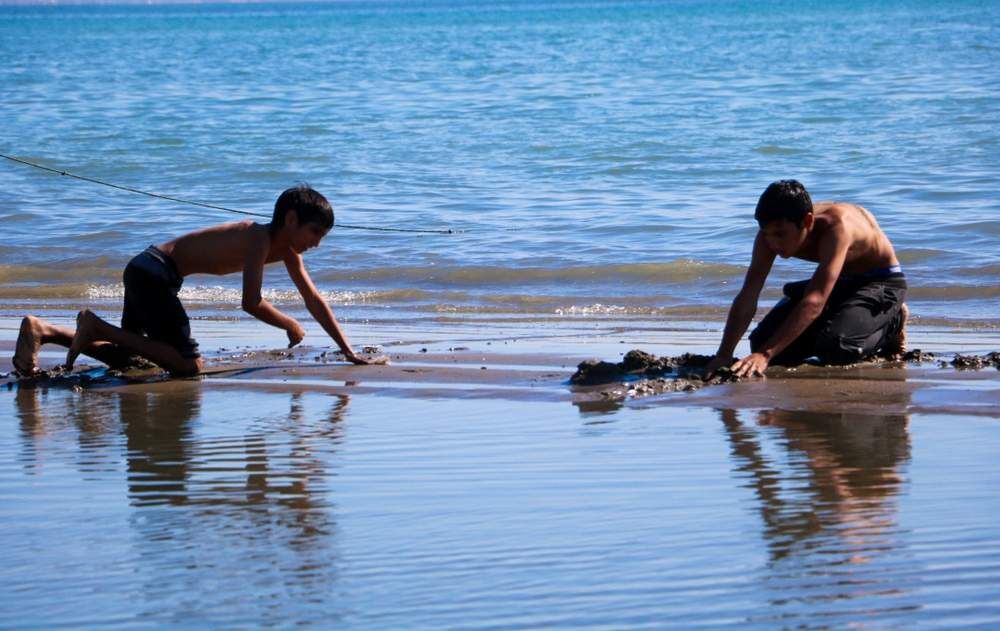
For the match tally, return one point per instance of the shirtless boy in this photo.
(851, 309)
(154, 323)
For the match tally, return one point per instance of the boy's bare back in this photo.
(869, 247)
(220, 249)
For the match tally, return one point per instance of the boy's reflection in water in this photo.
(251, 499)
(158, 440)
(828, 499)
(271, 461)
(841, 476)
(49, 412)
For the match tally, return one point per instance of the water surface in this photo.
(231, 508)
(598, 156)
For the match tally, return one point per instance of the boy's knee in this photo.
(833, 347)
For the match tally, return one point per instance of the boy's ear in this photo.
(291, 219)
(807, 221)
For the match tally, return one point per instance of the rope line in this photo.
(203, 205)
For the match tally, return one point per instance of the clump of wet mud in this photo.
(976, 362)
(127, 370)
(917, 356)
(959, 361)
(642, 374)
(58, 377)
(638, 363)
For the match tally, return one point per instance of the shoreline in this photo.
(465, 360)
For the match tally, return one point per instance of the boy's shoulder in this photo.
(853, 218)
(833, 209)
(245, 225)
(835, 218)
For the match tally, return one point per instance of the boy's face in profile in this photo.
(305, 236)
(785, 237)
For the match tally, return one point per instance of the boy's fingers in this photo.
(381, 360)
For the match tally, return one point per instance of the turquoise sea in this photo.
(593, 158)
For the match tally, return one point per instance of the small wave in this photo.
(979, 228)
(76, 291)
(953, 292)
(65, 271)
(774, 150)
(917, 255)
(820, 120)
(675, 271)
(165, 141)
(588, 310)
(976, 324)
(599, 309)
(216, 295)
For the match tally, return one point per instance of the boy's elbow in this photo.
(812, 306)
(251, 305)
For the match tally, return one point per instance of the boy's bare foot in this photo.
(87, 325)
(29, 340)
(895, 346)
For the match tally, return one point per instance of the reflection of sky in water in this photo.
(249, 507)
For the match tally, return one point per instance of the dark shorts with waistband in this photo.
(862, 315)
(151, 305)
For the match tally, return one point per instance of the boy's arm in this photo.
(253, 302)
(317, 306)
(744, 304)
(832, 254)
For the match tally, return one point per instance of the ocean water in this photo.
(308, 510)
(592, 158)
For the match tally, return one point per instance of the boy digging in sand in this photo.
(851, 309)
(154, 323)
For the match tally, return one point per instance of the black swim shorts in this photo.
(861, 316)
(151, 305)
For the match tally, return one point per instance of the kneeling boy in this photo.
(851, 309)
(154, 323)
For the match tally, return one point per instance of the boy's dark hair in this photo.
(307, 204)
(784, 199)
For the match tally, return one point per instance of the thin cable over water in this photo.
(203, 205)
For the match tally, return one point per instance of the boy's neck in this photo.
(273, 232)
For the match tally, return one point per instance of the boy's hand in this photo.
(719, 361)
(357, 359)
(295, 333)
(753, 365)
(381, 360)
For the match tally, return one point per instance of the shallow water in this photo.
(599, 157)
(217, 508)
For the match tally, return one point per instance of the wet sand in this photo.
(535, 363)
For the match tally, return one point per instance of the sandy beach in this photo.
(533, 361)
